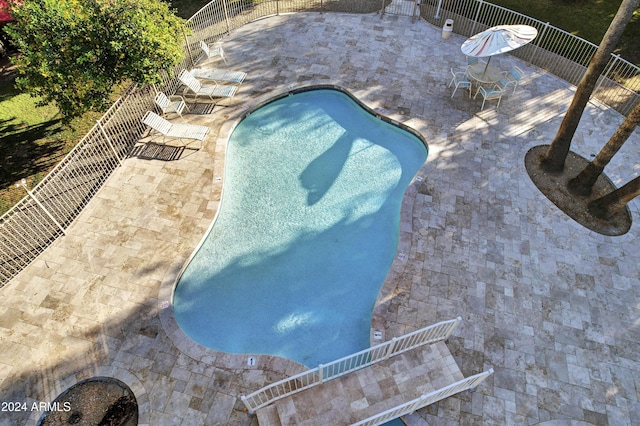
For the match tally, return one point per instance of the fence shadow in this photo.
(203, 108)
(156, 151)
(21, 155)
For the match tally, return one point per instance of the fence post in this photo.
(106, 136)
(186, 42)
(451, 328)
(246, 404)
(44, 209)
(382, 9)
(437, 15)
(226, 15)
(475, 20)
(606, 72)
(391, 348)
(320, 372)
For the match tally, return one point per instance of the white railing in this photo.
(471, 382)
(28, 228)
(307, 379)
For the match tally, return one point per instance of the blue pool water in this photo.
(306, 232)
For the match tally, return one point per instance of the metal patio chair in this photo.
(514, 76)
(171, 104)
(460, 79)
(212, 51)
(493, 93)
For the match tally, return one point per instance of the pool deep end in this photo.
(306, 232)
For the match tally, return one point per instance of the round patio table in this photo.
(484, 73)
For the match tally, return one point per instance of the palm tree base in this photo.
(554, 186)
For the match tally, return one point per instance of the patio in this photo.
(549, 305)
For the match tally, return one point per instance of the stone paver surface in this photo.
(551, 306)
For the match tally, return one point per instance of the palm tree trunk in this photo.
(604, 207)
(583, 183)
(553, 160)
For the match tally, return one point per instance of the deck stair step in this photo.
(370, 387)
(371, 390)
(268, 416)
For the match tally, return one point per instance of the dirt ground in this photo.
(554, 187)
(99, 401)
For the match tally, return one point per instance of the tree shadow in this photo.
(22, 155)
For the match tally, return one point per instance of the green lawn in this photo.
(32, 141)
(588, 19)
(186, 8)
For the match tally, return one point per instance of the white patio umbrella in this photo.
(497, 40)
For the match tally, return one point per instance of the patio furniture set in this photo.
(488, 80)
(216, 85)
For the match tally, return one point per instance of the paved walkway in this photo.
(367, 392)
(552, 307)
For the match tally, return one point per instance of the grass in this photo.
(588, 19)
(186, 8)
(33, 139)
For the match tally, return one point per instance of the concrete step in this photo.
(268, 416)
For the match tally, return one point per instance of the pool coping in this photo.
(285, 366)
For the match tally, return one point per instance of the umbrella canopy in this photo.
(500, 39)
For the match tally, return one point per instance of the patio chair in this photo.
(171, 104)
(514, 76)
(213, 91)
(212, 51)
(493, 93)
(461, 80)
(170, 130)
(223, 76)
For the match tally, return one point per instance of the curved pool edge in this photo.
(279, 365)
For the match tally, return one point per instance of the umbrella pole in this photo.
(487, 65)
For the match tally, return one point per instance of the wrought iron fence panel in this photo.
(50, 207)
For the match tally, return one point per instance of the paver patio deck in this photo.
(551, 306)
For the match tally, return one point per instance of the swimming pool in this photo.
(306, 231)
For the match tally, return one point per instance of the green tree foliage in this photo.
(73, 52)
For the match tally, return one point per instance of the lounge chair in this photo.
(222, 76)
(212, 51)
(175, 130)
(171, 104)
(212, 91)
